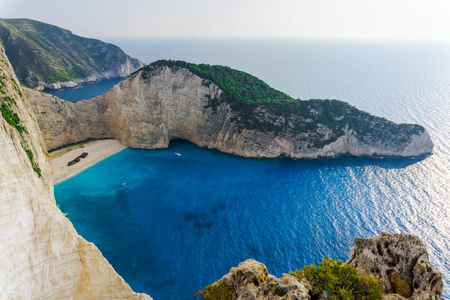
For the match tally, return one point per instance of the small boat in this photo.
(72, 162)
(177, 154)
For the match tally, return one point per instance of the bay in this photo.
(181, 223)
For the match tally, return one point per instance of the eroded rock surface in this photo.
(63, 122)
(251, 280)
(396, 260)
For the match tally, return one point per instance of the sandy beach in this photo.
(97, 150)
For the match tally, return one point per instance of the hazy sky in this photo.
(392, 19)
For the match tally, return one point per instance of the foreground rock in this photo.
(42, 256)
(48, 57)
(251, 280)
(160, 103)
(400, 263)
(379, 257)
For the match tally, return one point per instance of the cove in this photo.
(85, 91)
(181, 222)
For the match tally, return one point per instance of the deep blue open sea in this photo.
(181, 223)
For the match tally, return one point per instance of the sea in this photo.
(171, 224)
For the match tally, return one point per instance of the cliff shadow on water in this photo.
(333, 162)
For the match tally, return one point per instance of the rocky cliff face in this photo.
(399, 262)
(42, 256)
(158, 104)
(48, 57)
(62, 122)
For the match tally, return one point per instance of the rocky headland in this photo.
(176, 100)
(45, 56)
(399, 262)
(42, 256)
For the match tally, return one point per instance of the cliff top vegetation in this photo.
(259, 106)
(238, 85)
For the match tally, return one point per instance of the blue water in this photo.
(181, 223)
(85, 90)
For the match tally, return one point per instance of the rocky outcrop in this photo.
(399, 262)
(158, 104)
(41, 254)
(48, 57)
(251, 280)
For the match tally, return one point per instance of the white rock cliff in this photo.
(41, 254)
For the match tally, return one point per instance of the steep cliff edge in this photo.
(174, 100)
(46, 56)
(41, 254)
(398, 261)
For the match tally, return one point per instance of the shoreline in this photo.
(97, 151)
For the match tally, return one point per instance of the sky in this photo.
(362, 19)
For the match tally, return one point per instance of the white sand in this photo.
(97, 150)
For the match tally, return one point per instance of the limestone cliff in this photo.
(399, 262)
(162, 102)
(41, 254)
(48, 57)
(62, 122)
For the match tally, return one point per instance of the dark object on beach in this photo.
(72, 162)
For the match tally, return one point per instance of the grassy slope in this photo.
(47, 53)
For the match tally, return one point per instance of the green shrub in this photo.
(216, 291)
(38, 171)
(30, 154)
(340, 280)
(13, 119)
(237, 85)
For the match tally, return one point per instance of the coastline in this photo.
(97, 150)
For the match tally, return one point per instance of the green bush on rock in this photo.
(216, 291)
(12, 118)
(340, 280)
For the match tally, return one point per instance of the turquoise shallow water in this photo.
(180, 223)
